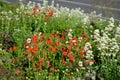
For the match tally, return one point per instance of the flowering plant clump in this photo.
(58, 53)
(57, 43)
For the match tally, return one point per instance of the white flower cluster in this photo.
(65, 11)
(110, 26)
(70, 33)
(5, 15)
(87, 46)
(80, 63)
(85, 20)
(105, 43)
(8, 16)
(76, 13)
(89, 53)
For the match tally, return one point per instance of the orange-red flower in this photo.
(34, 38)
(50, 12)
(39, 64)
(64, 49)
(62, 38)
(64, 53)
(86, 63)
(49, 41)
(82, 48)
(40, 60)
(41, 39)
(35, 46)
(14, 47)
(57, 43)
(92, 60)
(73, 41)
(31, 58)
(53, 49)
(69, 47)
(43, 35)
(10, 49)
(81, 52)
(39, 69)
(17, 71)
(26, 44)
(33, 50)
(35, 8)
(86, 38)
(29, 49)
(68, 54)
(83, 56)
(71, 57)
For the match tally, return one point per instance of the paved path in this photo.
(109, 8)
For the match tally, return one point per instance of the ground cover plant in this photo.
(42, 42)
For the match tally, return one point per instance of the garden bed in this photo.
(56, 43)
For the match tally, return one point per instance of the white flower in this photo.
(74, 41)
(96, 31)
(114, 55)
(28, 40)
(69, 35)
(70, 30)
(10, 12)
(87, 46)
(67, 42)
(67, 70)
(111, 25)
(77, 69)
(40, 33)
(89, 52)
(87, 56)
(26, 46)
(112, 19)
(93, 78)
(118, 30)
(87, 74)
(83, 68)
(91, 63)
(85, 20)
(80, 38)
(45, 23)
(80, 63)
(102, 45)
(0, 44)
(91, 26)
